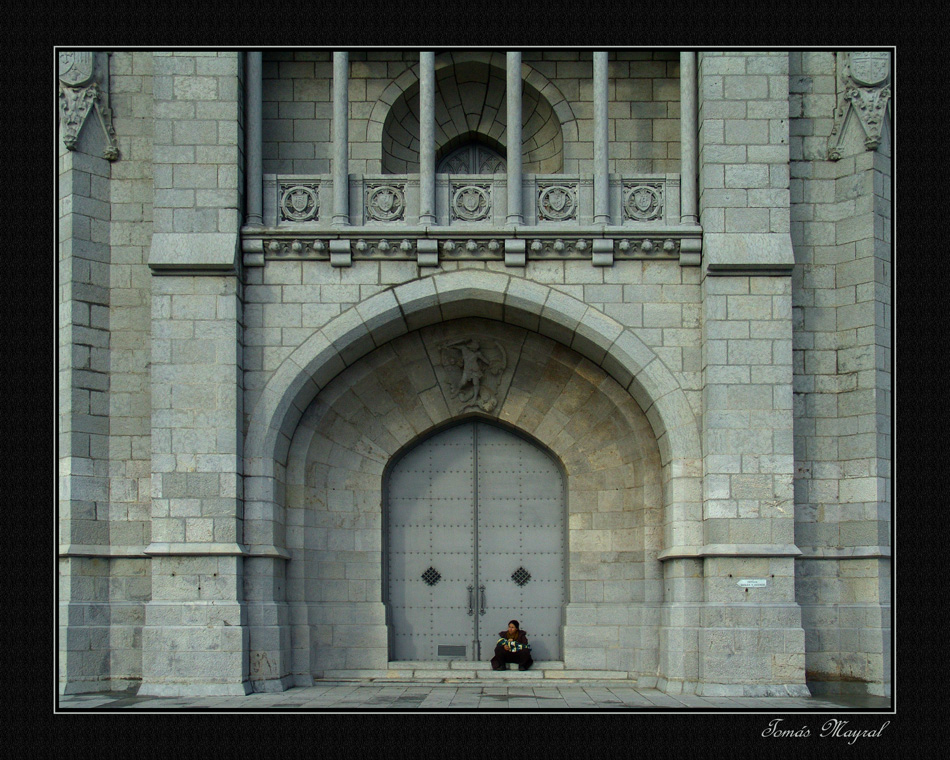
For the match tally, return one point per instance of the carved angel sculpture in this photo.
(467, 355)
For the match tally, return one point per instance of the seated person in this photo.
(512, 646)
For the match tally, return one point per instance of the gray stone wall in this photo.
(380, 404)
(84, 506)
(131, 197)
(643, 111)
(286, 301)
(196, 373)
(841, 235)
(174, 566)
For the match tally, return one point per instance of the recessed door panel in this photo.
(476, 537)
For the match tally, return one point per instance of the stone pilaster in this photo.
(84, 257)
(841, 233)
(751, 640)
(196, 634)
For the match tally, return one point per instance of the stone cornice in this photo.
(170, 550)
(729, 550)
(846, 552)
(461, 243)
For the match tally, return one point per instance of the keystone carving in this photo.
(473, 368)
(83, 88)
(864, 89)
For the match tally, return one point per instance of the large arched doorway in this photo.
(475, 536)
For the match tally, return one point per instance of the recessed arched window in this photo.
(473, 158)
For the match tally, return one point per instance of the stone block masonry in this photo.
(842, 391)
(228, 415)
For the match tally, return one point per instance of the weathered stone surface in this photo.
(240, 415)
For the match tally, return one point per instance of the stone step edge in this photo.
(427, 674)
(465, 665)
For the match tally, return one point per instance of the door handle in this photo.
(470, 610)
(482, 610)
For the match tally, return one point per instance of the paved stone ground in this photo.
(437, 697)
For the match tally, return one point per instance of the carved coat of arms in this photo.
(870, 69)
(474, 368)
(76, 69)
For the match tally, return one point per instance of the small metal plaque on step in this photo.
(451, 651)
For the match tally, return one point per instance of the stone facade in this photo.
(718, 395)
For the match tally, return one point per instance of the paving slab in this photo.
(470, 694)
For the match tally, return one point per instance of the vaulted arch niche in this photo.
(403, 390)
(470, 107)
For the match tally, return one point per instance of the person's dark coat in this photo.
(522, 656)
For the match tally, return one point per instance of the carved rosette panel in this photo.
(557, 203)
(643, 202)
(83, 88)
(386, 203)
(471, 203)
(299, 203)
(864, 87)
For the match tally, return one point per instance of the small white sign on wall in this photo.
(752, 583)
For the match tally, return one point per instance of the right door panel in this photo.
(521, 540)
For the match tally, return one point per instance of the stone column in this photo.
(689, 136)
(601, 153)
(426, 138)
(253, 145)
(195, 636)
(341, 106)
(515, 212)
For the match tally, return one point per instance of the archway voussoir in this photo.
(524, 301)
(470, 286)
(383, 317)
(594, 334)
(349, 335)
(419, 303)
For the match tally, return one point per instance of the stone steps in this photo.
(467, 671)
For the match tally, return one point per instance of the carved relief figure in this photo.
(475, 367)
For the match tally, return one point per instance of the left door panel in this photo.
(432, 549)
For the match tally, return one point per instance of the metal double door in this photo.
(475, 538)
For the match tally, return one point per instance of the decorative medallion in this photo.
(643, 202)
(431, 576)
(299, 203)
(471, 203)
(474, 367)
(385, 203)
(521, 576)
(557, 203)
